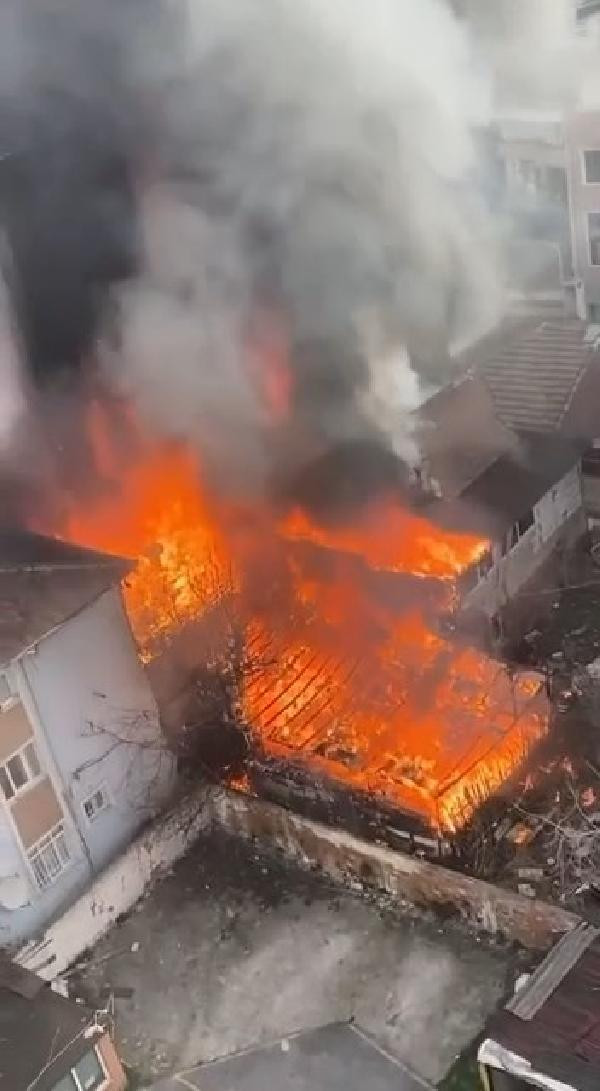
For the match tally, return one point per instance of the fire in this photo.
(394, 539)
(159, 514)
(366, 691)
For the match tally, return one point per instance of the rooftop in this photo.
(511, 485)
(460, 434)
(554, 1021)
(43, 582)
(520, 416)
(36, 1025)
(533, 378)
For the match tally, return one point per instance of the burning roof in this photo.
(344, 665)
(431, 727)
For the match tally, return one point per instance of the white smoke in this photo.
(314, 159)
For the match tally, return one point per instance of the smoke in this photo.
(314, 166)
(537, 50)
(260, 216)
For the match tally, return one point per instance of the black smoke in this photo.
(66, 177)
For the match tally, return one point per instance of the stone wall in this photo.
(492, 909)
(345, 858)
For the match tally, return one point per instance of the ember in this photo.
(364, 691)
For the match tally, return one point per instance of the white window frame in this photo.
(103, 787)
(583, 170)
(31, 779)
(50, 835)
(105, 1083)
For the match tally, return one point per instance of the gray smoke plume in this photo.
(267, 208)
(538, 51)
(312, 174)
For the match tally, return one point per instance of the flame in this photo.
(348, 683)
(158, 514)
(393, 539)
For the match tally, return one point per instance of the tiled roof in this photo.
(41, 1033)
(44, 581)
(559, 1032)
(533, 378)
(460, 435)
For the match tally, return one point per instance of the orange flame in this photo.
(375, 698)
(395, 539)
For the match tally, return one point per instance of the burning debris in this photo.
(344, 668)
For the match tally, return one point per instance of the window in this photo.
(89, 1074)
(485, 564)
(476, 572)
(49, 857)
(19, 770)
(525, 523)
(591, 161)
(66, 1084)
(556, 185)
(94, 804)
(593, 313)
(517, 531)
(594, 237)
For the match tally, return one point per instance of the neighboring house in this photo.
(532, 146)
(503, 450)
(49, 1043)
(583, 166)
(552, 175)
(82, 761)
(548, 1034)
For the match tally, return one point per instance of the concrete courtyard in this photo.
(234, 948)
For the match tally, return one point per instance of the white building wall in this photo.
(583, 135)
(96, 726)
(101, 723)
(557, 515)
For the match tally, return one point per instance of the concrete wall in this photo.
(344, 857)
(117, 888)
(559, 520)
(91, 707)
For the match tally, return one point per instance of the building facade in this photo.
(51, 1043)
(552, 175)
(546, 529)
(583, 166)
(508, 448)
(82, 757)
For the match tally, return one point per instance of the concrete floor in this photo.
(338, 1057)
(236, 949)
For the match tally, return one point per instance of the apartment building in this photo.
(82, 760)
